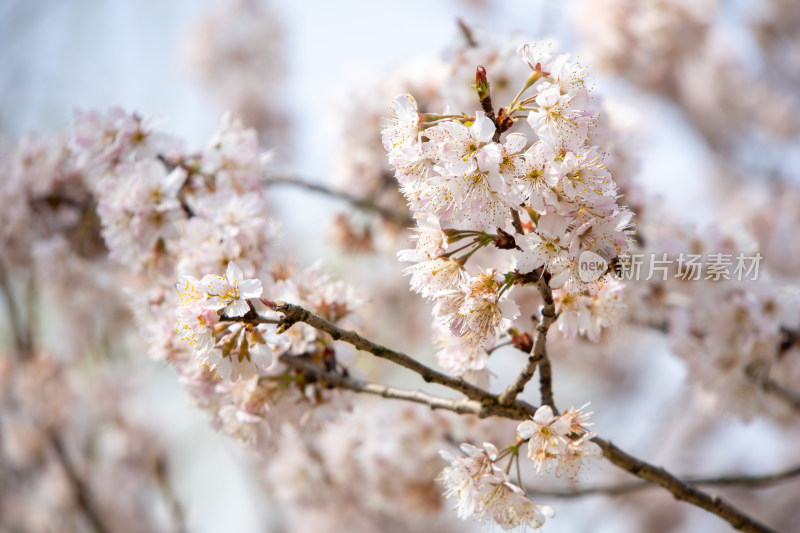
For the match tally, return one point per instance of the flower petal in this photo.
(543, 415)
(215, 285)
(237, 308)
(526, 429)
(261, 355)
(515, 142)
(234, 274)
(250, 288)
(483, 128)
(214, 303)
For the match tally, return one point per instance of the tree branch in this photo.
(82, 494)
(401, 219)
(538, 355)
(490, 407)
(516, 222)
(518, 410)
(546, 382)
(467, 33)
(755, 482)
(780, 392)
(326, 377)
(21, 332)
(170, 499)
(681, 490)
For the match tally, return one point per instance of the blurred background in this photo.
(705, 97)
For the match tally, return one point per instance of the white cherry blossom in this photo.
(547, 246)
(401, 130)
(231, 292)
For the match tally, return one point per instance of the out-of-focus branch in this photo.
(401, 219)
(780, 392)
(82, 494)
(466, 32)
(23, 339)
(164, 486)
(538, 355)
(768, 385)
(753, 482)
(326, 377)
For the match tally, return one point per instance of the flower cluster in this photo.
(389, 447)
(562, 441)
(230, 349)
(484, 490)
(589, 314)
(739, 342)
(546, 195)
(45, 403)
(736, 337)
(225, 253)
(503, 199)
(669, 47)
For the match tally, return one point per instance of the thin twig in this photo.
(401, 219)
(499, 345)
(19, 330)
(321, 375)
(82, 494)
(753, 482)
(165, 487)
(777, 390)
(467, 33)
(258, 319)
(517, 409)
(538, 355)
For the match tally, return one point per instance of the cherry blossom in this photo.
(231, 292)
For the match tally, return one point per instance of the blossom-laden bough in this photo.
(505, 202)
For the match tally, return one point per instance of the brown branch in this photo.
(538, 355)
(80, 490)
(466, 31)
(401, 219)
(681, 490)
(515, 220)
(764, 480)
(327, 377)
(257, 319)
(170, 499)
(490, 407)
(791, 398)
(754, 482)
(23, 338)
(546, 382)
